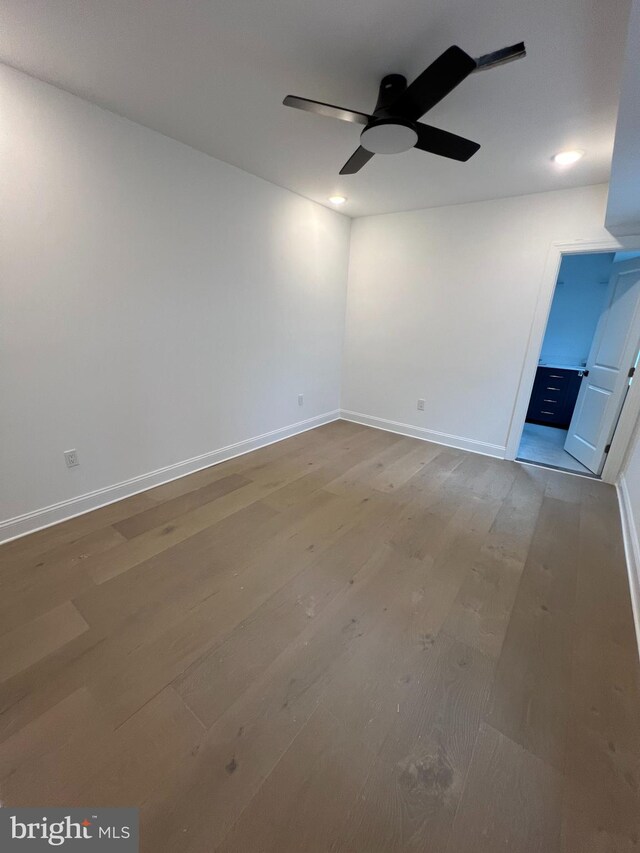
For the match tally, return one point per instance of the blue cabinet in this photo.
(554, 396)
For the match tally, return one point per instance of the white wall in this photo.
(631, 475)
(440, 307)
(578, 301)
(155, 303)
(629, 496)
(623, 206)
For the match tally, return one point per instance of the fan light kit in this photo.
(388, 137)
(393, 127)
(567, 158)
(337, 199)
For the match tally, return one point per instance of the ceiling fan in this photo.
(393, 126)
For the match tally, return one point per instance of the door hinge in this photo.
(632, 370)
(607, 448)
(585, 372)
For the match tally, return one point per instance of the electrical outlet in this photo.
(421, 405)
(71, 458)
(301, 399)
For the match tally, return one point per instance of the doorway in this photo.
(586, 363)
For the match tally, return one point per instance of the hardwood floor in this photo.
(348, 641)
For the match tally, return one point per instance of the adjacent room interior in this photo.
(320, 435)
(593, 316)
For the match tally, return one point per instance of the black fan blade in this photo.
(501, 57)
(327, 110)
(436, 81)
(445, 144)
(357, 160)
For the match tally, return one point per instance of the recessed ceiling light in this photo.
(337, 199)
(567, 158)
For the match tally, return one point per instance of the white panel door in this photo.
(613, 352)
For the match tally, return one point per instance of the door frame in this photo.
(631, 408)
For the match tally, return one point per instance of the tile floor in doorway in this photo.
(545, 446)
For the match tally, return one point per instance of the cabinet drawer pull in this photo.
(555, 376)
(549, 388)
(547, 413)
(549, 401)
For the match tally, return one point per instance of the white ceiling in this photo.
(212, 73)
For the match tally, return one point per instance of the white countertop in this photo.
(562, 366)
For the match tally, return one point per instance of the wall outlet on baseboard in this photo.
(421, 405)
(301, 399)
(71, 458)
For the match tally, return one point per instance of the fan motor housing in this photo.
(391, 87)
(388, 136)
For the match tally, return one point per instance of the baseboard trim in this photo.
(30, 522)
(631, 550)
(457, 441)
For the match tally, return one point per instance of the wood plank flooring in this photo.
(349, 641)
